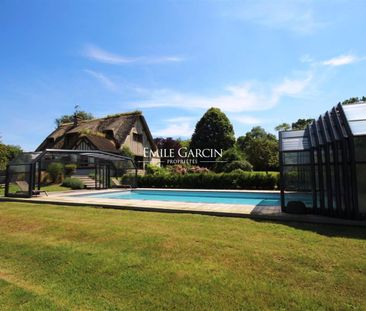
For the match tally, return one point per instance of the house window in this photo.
(137, 137)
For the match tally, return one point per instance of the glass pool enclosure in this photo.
(25, 173)
(324, 166)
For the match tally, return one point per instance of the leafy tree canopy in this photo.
(353, 100)
(126, 152)
(260, 148)
(213, 131)
(255, 133)
(3, 157)
(283, 127)
(300, 124)
(231, 160)
(228, 156)
(8, 153)
(185, 143)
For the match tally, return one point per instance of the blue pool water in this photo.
(246, 198)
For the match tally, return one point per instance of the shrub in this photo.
(233, 180)
(73, 183)
(242, 165)
(152, 169)
(231, 155)
(126, 152)
(70, 169)
(55, 171)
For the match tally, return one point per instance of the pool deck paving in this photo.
(215, 209)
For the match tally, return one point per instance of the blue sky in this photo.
(261, 62)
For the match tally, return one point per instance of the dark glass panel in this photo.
(293, 144)
(361, 187)
(360, 148)
(316, 178)
(333, 184)
(297, 178)
(25, 158)
(325, 193)
(331, 155)
(293, 158)
(323, 154)
(341, 182)
(19, 180)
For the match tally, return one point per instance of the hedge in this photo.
(73, 183)
(235, 180)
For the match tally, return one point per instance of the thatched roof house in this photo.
(108, 134)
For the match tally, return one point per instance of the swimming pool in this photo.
(221, 197)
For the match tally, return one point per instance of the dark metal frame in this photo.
(102, 168)
(283, 165)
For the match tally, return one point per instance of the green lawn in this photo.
(77, 258)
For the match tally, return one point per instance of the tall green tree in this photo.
(8, 153)
(301, 124)
(283, 127)
(3, 157)
(260, 148)
(213, 131)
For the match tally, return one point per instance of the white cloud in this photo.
(104, 80)
(296, 16)
(95, 53)
(245, 119)
(235, 98)
(176, 127)
(306, 59)
(341, 60)
(291, 87)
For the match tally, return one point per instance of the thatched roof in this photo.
(106, 134)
